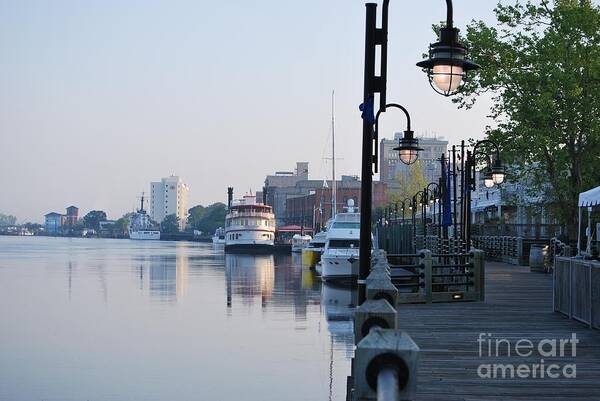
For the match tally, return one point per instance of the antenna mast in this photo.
(333, 182)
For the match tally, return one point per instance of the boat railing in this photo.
(251, 214)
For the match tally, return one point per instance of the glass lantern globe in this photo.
(408, 148)
(498, 172)
(447, 65)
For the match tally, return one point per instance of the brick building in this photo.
(314, 209)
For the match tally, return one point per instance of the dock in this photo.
(518, 305)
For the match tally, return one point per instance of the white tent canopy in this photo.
(590, 198)
(587, 199)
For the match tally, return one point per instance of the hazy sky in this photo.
(98, 98)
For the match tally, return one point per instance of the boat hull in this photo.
(144, 235)
(339, 268)
(250, 248)
(311, 256)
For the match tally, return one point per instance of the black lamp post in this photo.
(433, 196)
(408, 147)
(493, 173)
(446, 68)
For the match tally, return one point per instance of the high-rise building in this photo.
(169, 196)
(390, 165)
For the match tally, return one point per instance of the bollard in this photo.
(386, 364)
(371, 314)
(378, 275)
(382, 289)
(479, 272)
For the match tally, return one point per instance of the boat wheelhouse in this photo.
(339, 260)
(249, 227)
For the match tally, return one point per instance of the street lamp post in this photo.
(433, 196)
(494, 174)
(446, 67)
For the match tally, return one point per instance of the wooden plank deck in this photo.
(518, 306)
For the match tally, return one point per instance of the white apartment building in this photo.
(169, 196)
(390, 165)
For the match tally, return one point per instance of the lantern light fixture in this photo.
(447, 65)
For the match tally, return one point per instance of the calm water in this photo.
(91, 319)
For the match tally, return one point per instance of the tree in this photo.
(7, 220)
(207, 219)
(122, 224)
(542, 67)
(92, 219)
(195, 215)
(409, 183)
(170, 224)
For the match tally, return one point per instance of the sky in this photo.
(99, 98)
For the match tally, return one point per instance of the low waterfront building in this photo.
(169, 196)
(56, 223)
(389, 161)
(53, 223)
(72, 216)
(511, 209)
(286, 186)
(314, 209)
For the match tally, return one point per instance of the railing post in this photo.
(428, 262)
(520, 257)
(479, 273)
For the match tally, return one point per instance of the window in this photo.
(347, 225)
(344, 243)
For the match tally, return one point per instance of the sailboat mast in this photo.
(333, 182)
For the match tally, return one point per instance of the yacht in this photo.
(311, 255)
(141, 226)
(219, 236)
(249, 226)
(299, 242)
(339, 260)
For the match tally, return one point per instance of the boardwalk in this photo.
(518, 306)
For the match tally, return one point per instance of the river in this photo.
(98, 319)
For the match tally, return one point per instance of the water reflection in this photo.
(339, 303)
(249, 276)
(168, 275)
(277, 325)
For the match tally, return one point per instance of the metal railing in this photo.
(576, 289)
(505, 249)
(529, 231)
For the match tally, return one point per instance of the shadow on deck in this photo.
(518, 306)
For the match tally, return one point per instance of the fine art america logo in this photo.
(526, 359)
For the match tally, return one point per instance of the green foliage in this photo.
(170, 224)
(7, 220)
(122, 224)
(409, 184)
(92, 219)
(207, 219)
(32, 226)
(541, 65)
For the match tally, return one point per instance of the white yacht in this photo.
(219, 236)
(141, 227)
(311, 255)
(299, 242)
(339, 260)
(249, 226)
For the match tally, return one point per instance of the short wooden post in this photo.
(479, 272)
(427, 262)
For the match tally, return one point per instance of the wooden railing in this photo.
(576, 285)
(428, 277)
